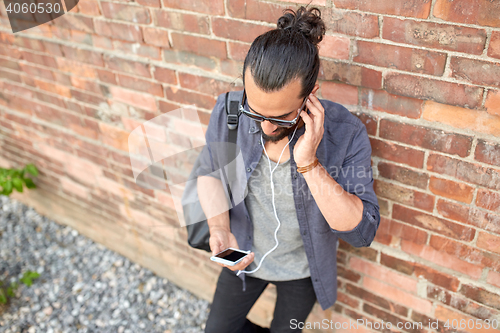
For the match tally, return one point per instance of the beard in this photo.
(279, 134)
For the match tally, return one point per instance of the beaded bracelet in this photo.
(308, 167)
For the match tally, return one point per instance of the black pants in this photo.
(295, 300)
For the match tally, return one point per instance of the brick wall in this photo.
(424, 77)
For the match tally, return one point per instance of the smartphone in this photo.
(230, 256)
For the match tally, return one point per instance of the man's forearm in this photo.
(341, 209)
(213, 201)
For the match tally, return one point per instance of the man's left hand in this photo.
(305, 149)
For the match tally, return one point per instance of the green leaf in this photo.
(3, 299)
(8, 186)
(18, 184)
(26, 280)
(31, 168)
(29, 183)
(33, 275)
(10, 292)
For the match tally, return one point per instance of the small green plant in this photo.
(6, 292)
(14, 178)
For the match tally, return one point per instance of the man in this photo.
(314, 149)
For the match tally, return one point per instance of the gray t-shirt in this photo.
(288, 261)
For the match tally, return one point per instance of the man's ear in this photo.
(316, 87)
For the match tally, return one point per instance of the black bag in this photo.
(198, 233)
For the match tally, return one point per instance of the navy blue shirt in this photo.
(344, 152)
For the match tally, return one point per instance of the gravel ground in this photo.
(83, 286)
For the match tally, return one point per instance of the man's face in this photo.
(283, 104)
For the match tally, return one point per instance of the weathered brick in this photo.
(442, 258)
(10, 76)
(36, 71)
(440, 91)
(53, 88)
(128, 66)
(154, 36)
(237, 30)
(432, 223)
(488, 200)
(380, 100)
(183, 22)
(480, 12)
(488, 152)
(115, 137)
(340, 93)
(403, 175)
(348, 274)
(87, 98)
(450, 189)
(436, 277)
(351, 23)
(492, 103)
(391, 231)
(468, 215)
(465, 171)
(150, 3)
(231, 68)
(434, 35)
(476, 71)
(142, 50)
(86, 56)
(350, 74)
(121, 12)
(377, 300)
(44, 60)
(461, 118)
(106, 76)
(10, 52)
(185, 97)
(494, 48)
(199, 45)
(344, 298)
(426, 137)
(488, 242)
(493, 278)
(402, 58)
(140, 100)
(190, 59)
(364, 252)
(215, 7)
(238, 51)
(412, 8)
(481, 295)
(397, 153)
(73, 22)
(255, 10)
(140, 85)
(404, 195)
(369, 121)
(335, 47)
(129, 32)
(165, 75)
(204, 85)
(89, 7)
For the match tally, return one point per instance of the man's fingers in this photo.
(243, 264)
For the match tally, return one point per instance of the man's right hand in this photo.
(221, 239)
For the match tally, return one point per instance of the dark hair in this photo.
(289, 52)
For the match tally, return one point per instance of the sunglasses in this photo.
(274, 121)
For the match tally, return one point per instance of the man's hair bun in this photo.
(306, 21)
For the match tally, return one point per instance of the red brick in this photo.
(335, 47)
(388, 317)
(399, 296)
(374, 299)
(380, 100)
(480, 12)
(37, 71)
(492, 103)
(440, 91)
(89, 7)
(183, 22)
(393, 230)
(488, 200)
(493, 278)
(237, 30)
(199, 45)
(139, 100)
(404, 195)
(141, 50)
(397, 153)
(369, 121)
(121, 12)
(150, 3)
(454, 211)
(468, 253)
(205, 85)
(364, 252)
(403, 175)
(165, 75)
(475, 71)
(214, 7)
(158, 37)
(140, 85)
(458, 117)
(238, 51)
(106, 76)
(481, 295)
(255, 10)
(468, 172)
(232, 68)
(73, 22)
(340, 93)
(186, 97)
(494, 48)
(29, 43)
(10, 76)
(436, 277)
(450, 189)
(426, 137)
(128, 32)
(348, 274)
(488, 152)
(351, 74)
(434, 35)
(190, 59)
(450, 316)
(77, 54)
(128, 66)
(402, 58)
(53, 88)
(432, 223)
(441, 258)
(53, 49)
(412, 8)
(344, 298)
(87, 98)
(114, 137)
(351, 23)
(39, 59)
(488, 242)
(10, 64)
(10, 52)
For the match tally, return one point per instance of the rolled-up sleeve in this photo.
(356, 177)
